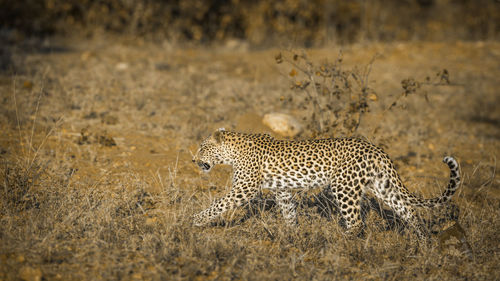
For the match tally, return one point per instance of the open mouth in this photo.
(204, 166)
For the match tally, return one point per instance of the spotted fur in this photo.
(348, 166)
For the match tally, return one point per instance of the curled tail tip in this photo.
(451, 162)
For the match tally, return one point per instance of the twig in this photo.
(17, 114)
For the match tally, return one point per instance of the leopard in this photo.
(348, 166)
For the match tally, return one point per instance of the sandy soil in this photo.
(117, 121)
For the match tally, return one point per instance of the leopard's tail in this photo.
(448, 192)
(382, 188)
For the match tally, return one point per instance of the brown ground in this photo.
(97, 179)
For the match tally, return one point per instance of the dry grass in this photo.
(75, 206)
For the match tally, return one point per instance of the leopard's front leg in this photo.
(284, 198)
(245, 187)
(216, 208)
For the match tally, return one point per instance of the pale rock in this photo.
(282, 124)
(121, 66)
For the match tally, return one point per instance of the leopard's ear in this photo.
(217, 136)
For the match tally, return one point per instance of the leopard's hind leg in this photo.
(399, 201)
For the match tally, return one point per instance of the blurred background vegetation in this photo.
(260, 22)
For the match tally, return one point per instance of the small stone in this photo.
(121, 66)
(373, 97)
(282, 124)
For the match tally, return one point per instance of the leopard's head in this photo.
(211, 151)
